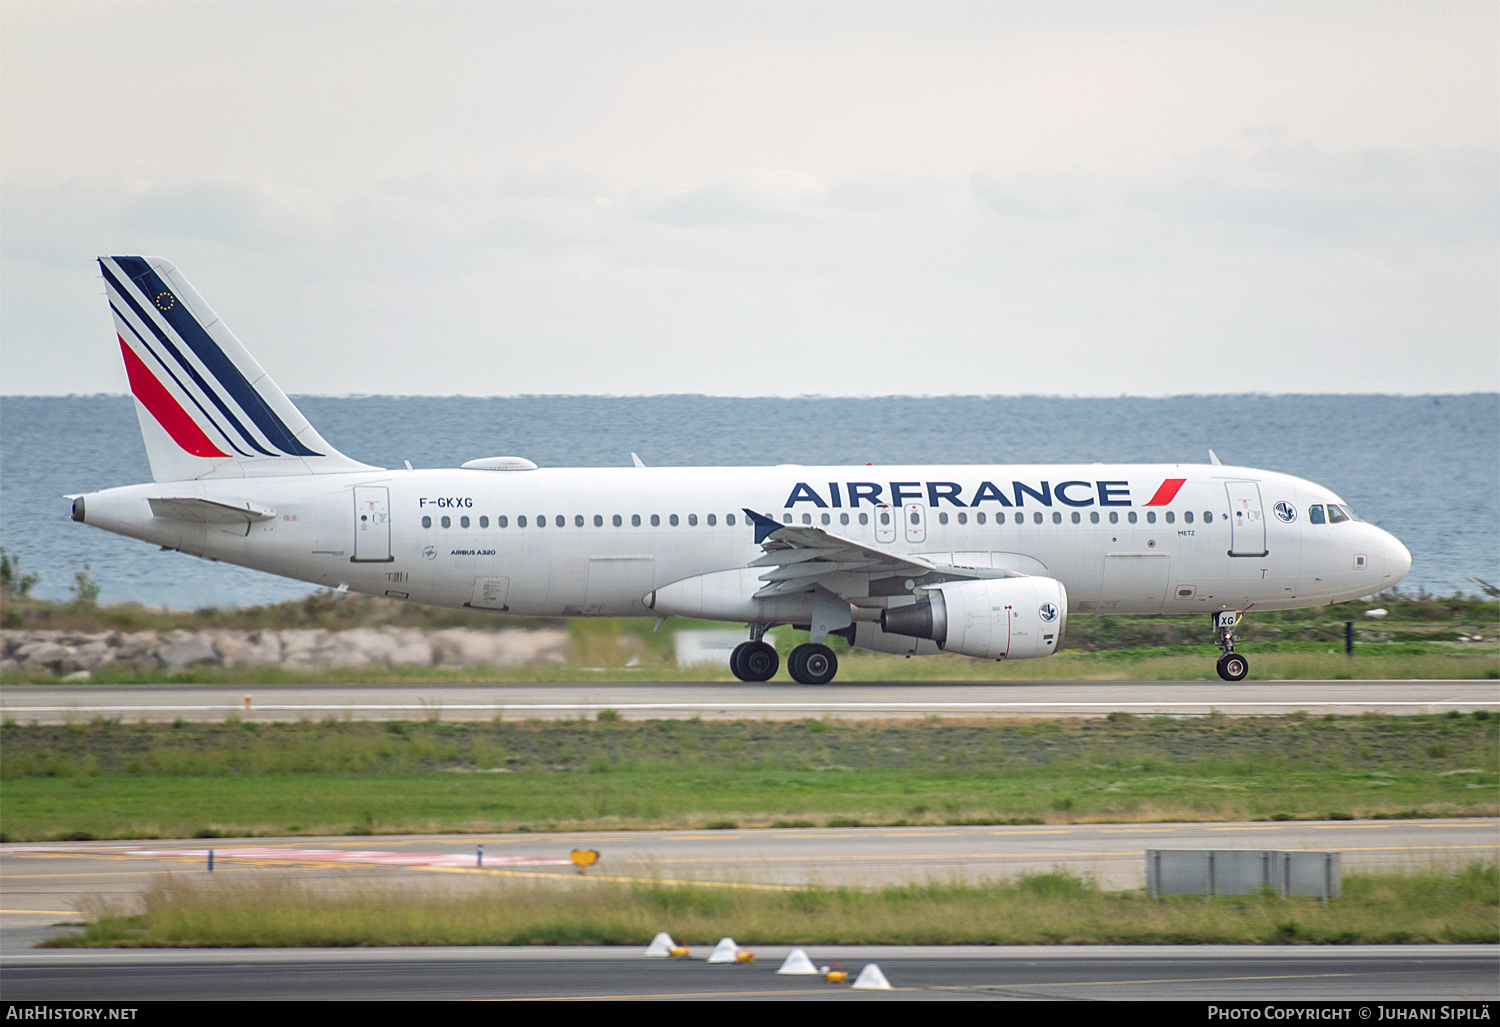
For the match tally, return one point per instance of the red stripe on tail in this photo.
(1167, 492)
(167, 411)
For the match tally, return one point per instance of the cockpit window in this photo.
(1315, 514)
(1336, 514)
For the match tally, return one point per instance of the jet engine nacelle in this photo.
(992, 618)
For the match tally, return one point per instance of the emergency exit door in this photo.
(372, 525)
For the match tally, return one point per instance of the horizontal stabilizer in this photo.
(207, 511)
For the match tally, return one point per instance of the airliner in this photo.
(983, 560)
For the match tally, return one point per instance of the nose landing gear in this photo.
(1231, 666)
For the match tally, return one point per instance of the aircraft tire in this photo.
(1233, 667)
(735, 667)
(812, 664)
(759, 662)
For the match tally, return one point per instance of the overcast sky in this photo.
(766, 199)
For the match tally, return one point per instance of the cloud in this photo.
(1442, 194)
(744, 196)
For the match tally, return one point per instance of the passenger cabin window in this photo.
(484, 522)
(502, 521)
(560, 521)
(712, 520)
(672, 520)
(1114, 517)
(864, 518)
(578, 520)
(541, 521)
(426, 522)
(692, 520)
(1130, 517)
(1187, 517)
(446, 522)
(843, 518)
(1037, 517)
(827, 519)
(1056, 517)
(1336, 514)
(1093, 516)
(1208, 517)
(1077, 517)
(942, 518)
(807, 518)
(1171, 517)
(616, 521)
(729, 519)
(635, 520)
(598, 521)
(1151, 517)
(786, 518)
(463, 522)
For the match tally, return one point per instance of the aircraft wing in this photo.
(799, 557)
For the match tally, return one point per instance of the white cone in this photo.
(661, 946)
(796, 962)
(724, 951)
(871, 979)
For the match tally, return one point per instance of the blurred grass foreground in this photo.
(1055, 908)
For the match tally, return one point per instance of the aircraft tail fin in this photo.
(207, 409)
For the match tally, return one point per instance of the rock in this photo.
(250, 649)
(78, 675)
(191, 649)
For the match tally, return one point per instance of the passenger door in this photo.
(372, 525)
(1247, 521)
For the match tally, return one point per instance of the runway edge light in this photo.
(797, 962)
(724, 951)
(661, 946)
(871, 979)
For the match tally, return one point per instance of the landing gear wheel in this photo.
(757, 661)
(812, 664)
(1233, 667)
(735, 667)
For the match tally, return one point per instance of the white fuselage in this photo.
(602, 541)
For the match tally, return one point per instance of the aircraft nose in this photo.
(1397, 560)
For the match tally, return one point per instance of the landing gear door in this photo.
(1247, 521)
(372, 525)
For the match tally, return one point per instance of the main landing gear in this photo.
(1231, 666)
(810, 664)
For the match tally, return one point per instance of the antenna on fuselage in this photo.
(1213, 458)
(637, 460)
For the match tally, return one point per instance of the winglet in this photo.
(763, 524)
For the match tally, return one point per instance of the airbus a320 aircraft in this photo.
(983, 560)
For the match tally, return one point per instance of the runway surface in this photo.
(42, 884)
(1360, 975)
(57, 704)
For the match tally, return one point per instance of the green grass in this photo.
(1044, 909)
(107, 780)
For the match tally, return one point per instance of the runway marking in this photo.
(793, 858)
(1162, 980)
(333, 856)
(678, 994)
(887, 705)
